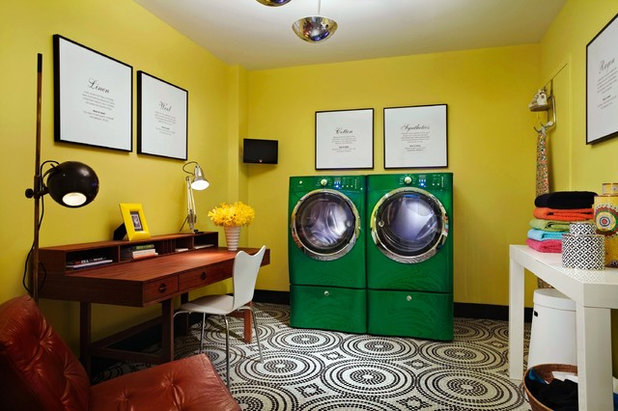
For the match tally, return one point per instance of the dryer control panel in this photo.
(429, 180)
(349, 183)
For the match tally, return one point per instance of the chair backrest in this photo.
(246, 269)
(38, 371)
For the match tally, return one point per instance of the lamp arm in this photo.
(191, 215)
(40, 189)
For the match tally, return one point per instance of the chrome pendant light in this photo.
(314, 29)
(274, 3)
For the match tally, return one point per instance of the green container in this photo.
(411, 314)
(328, 308)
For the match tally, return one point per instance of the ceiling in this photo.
(255, 36)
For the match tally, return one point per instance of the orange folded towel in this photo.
(573, 214)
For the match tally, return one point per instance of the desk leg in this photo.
(594, 358)
(85, 331)
(167, 331)
(184, 318)
(516, 321)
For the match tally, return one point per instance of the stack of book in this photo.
(138, 251)
(88, 262)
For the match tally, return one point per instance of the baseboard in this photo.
(272, 297)
(465, 310)
(487, 311)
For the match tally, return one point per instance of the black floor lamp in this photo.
(71, 184)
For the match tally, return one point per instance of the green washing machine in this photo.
(410, 255)
(326, 253)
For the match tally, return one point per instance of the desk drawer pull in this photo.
(203, 275)
(162, 288)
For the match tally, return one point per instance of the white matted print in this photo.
(602, 84)
(415, 137)
(344, 139)
(93, 97)
(161, 117)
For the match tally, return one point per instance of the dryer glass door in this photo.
(409, 225)
(325, 224)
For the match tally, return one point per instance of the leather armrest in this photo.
(187, 384)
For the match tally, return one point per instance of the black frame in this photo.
(610, 116)
(411, 165)
(141, 137)
(125, 143)
(345, 166)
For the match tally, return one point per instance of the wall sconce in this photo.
(71, 184)
(197, 182)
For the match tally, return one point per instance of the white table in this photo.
(595, 292)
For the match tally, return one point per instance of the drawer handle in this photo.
(203, 275)
(409, 298)
(162, 288)
(326, 293)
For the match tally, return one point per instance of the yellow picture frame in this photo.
(134, 221)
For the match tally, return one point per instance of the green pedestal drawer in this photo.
(410, 314)
(328, 308)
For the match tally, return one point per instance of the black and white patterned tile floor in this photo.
(325, 370)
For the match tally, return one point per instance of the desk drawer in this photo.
(159, 289)
(204, 276)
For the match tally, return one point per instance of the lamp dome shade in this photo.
(72, 184)
(274, 3)
(314, 29)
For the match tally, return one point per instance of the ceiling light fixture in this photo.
(314, 29)
(274, 3)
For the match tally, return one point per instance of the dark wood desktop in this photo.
(184, 262)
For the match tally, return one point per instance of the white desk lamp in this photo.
(197, 182)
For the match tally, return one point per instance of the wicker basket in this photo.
(545, 372)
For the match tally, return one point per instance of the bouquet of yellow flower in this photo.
(229, 215)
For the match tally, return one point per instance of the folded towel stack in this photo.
(552, 214)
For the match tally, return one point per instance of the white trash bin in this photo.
(552, 334)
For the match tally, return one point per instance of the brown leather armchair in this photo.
(39, 372)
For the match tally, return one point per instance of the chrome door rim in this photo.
(325, 256)
(404, 258)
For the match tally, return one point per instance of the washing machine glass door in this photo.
(409, 225)
(325, 224)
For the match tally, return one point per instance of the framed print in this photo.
(415, 137)
(161, 117)
(93, 96)
(134, 221)
(602, 84)
(344, 139)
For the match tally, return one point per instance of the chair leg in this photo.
(227, 351)
(202, 334)
(257, 335)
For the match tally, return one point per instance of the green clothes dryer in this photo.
(410, 255)
(326, 253)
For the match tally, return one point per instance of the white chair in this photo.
(246, 269)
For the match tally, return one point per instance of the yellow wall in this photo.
(578, 166)
(123, 30)
(490, 140)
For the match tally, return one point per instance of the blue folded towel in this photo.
(541, 235)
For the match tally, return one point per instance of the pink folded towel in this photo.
(546, 246)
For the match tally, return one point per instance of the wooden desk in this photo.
(595, 293)
(135, 283)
